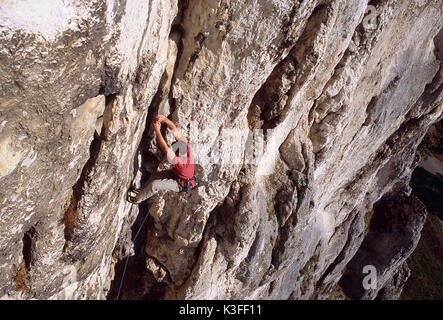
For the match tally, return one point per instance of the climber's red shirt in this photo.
(184, 169)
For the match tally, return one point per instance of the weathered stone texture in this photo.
(301, 115)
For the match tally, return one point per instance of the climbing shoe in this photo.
(132, 194)
(131, 199)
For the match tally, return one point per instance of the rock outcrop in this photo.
(301, 115)
(394, 234)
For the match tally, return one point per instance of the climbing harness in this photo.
(133, 244)
(186, 185)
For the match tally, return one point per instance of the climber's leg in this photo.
(159, 181)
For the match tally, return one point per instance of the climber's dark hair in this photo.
(180, 147)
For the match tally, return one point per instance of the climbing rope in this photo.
(133, 244)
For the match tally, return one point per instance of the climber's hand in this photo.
(159, 118)
(156, 125)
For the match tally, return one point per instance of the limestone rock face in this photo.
(73, 105)
(300, 114)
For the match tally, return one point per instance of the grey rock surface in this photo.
(393, 289)
(301, 115)
(394, 233)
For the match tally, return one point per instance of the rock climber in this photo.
(181, 177)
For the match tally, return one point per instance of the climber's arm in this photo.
(170, 125)
(162, 143)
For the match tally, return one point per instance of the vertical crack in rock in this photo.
(71, 217)
(21, 277)
(146, 277)
(23, 274)
(271, 102)
(28, 247)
